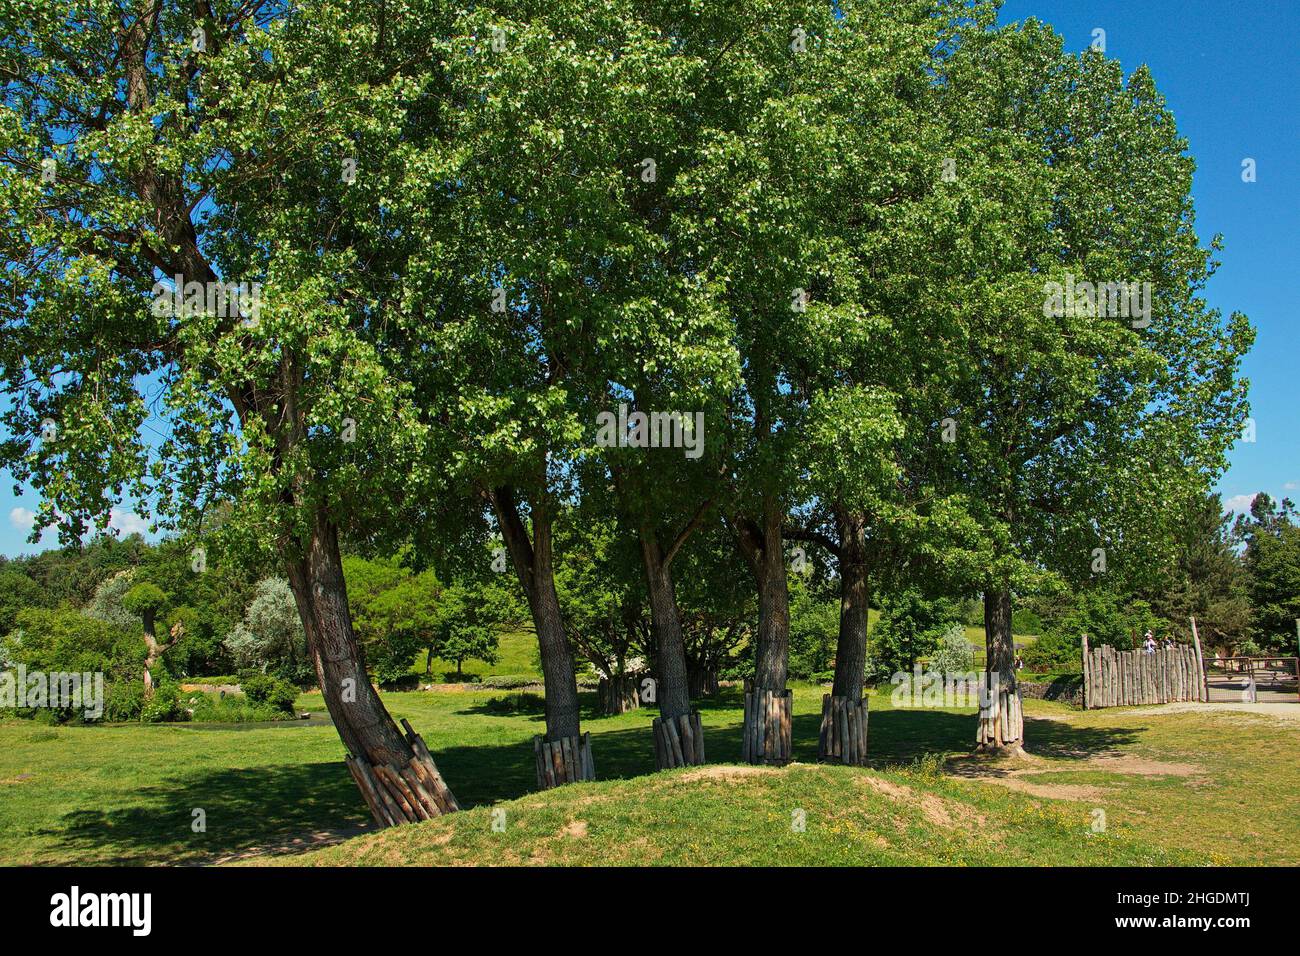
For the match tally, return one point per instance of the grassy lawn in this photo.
(1175, 787)
(516, 656)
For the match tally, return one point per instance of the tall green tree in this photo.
(1272, 559)
(197, 206)
(1084, 410)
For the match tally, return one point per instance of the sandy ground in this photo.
(1284, 711)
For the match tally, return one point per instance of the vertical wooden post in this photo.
(1087, 683)
(1200, 662)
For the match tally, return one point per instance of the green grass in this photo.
(516, 656)
(127, 793)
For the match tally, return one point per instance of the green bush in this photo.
(814, 632)
(522, 703)
(123, 700)
(910, 627)
(164, 705)
(953, 655)
(1052, 651)
(1025, 621)
(510, 681)
(231, 709)
(273, 691)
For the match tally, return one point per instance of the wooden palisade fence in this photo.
(407, 794)
(843, 737)
(679, 741)
(768, 736)
(567, 760)
(1114, 678)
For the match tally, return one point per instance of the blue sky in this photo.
(1230, 70)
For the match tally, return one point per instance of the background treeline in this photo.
(62, 609)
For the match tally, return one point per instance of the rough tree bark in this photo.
(673, 691)
(395, 772)
(851, 647)
(155, 650)
(533, 561)
(767, 712)
(1001, 720)
(843, 735)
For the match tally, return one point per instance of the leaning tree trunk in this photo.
(394, 771)
(843, 736)
(564, 753)
(1001, 719)
(678, 733)
(768, 705)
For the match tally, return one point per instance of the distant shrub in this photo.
(510, 681)
(1025, 621)
(273, 691)
(1053, 651)
(953, 655)
(523, 703)
(231, 709)
(164, 705)
(123, 700)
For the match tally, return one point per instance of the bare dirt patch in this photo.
(1010, 774)
(577, 829)
(725, 773)
(935, 809)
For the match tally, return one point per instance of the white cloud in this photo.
(127, 522)
(22, 518)
(1291, 486)
(1239, 503)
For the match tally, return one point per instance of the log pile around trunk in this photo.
(843, 737)
(1114, 678)
(406, 794)
(566, 760)
(679, 741)
(1001, 718)
(768, 734)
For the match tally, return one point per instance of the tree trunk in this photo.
(617, 695)
(533, 561)
(675, 746)
(851, 649)
(1001, 720)
(395, 773)
(766, 737)
(773, 659)
(154, 651)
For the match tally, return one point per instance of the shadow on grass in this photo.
(263, 806)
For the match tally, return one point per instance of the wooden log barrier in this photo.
(398, 794)
(566, 760)
(679, 741)
(1114, 678)
(843, 737)
(767, 734)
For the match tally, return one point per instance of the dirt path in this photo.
(1282, 711)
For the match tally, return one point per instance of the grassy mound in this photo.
(736, 815)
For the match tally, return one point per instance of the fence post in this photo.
(1200, 663)
(1087, 680)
